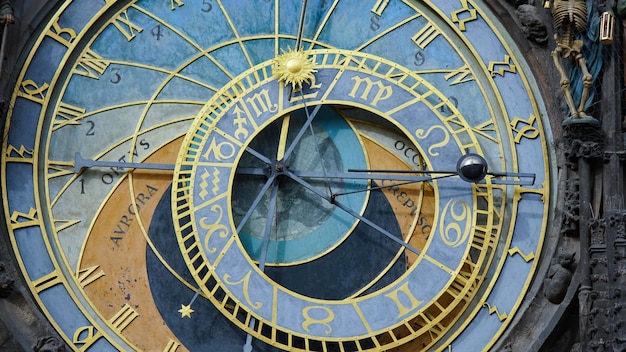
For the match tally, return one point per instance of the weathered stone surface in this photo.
(533, 26)
(49, 344)
(559, 276)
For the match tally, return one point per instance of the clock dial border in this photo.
(24, 161)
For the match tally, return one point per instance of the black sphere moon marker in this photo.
(472, 167)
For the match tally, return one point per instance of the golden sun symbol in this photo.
(294, 67)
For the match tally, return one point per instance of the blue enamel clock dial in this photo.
(293, 183)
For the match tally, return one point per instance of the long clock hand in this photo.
(364, 176)
(81, 163)
(317, 147)
(301, 25)
(372, 188)
(470, 168)
(466, 169)
(305, 126)
(525, 179)
(256, 202)
(271, 212)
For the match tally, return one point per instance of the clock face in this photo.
(254, 175)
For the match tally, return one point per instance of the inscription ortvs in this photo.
(109, 177)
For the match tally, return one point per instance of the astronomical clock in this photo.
(276, 175)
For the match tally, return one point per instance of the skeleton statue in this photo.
(570, 18)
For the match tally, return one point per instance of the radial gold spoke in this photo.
(282, 142)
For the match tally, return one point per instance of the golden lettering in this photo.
(484, 129)
(425, 36)
(245, 283)
(123, 318)
(125, 26)
(463, 15)
(461, 75)
(220, 151)
(47, 281)
(91, 65)
(19, 155)
(527, 257)
(33, 92)
(379, 7)
(67, 115)
(204, 185)
(261, 102)
(507, 66)
(493, 309)
(454, 234)
(527, 131)
(177, 2)
(404, 292)
(420, 134)
(240, 121)
(214, 227)
(17, 217)
(171, 346)
(85, 336)
(88, 275)
(383, 91)
(309, 320)
(58, 168)
(64, 36)
(297, 95)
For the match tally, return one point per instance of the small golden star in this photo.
(294, 67)
(185, 311)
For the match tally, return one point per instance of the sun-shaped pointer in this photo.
(294, 67)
